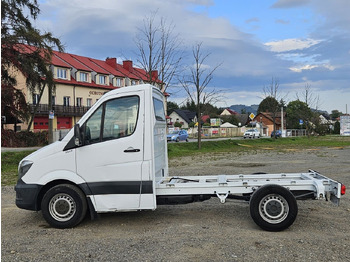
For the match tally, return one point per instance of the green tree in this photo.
(269, 104)
(24, 48)
(189, 105)
(232, 119)
(296, 111)
(171, 106)
(335, 114)
(336, 128)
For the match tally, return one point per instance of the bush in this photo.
(177, 124)
(9, 138)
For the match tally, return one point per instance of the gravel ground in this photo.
(207, 231)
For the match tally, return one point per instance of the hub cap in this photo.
(62, 207)
(273, 208)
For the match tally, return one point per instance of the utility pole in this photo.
(50, 118)
(282, 125)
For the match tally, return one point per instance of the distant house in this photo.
(228, 112)
(266, 120)
(243, 119)
(205, 118)
(227, 125)
(184, 117)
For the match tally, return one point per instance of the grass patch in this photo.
(9, 166)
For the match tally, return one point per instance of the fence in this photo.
(296, 132)
(236, 132)
(218, 132)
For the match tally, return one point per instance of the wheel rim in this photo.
(273, 208)
(62, 207)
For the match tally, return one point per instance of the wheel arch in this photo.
(83, 187)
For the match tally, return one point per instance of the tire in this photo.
(64, 206)
(177, 139)
(186, 139)
(273, 208)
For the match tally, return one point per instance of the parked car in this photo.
(178, 135)
(278, 133)
(252, 133)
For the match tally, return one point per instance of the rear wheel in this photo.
(273, 208)
(64, 206)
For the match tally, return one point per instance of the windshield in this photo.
(174, 132)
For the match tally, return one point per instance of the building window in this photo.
(66, 101)
(61, 73)
(79, 101)
(89, 102)
(118, 82)
(35, 99)
(83, 77)
(133, 82)
(102, 80)
(53, 100)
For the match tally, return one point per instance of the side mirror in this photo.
(77, 135)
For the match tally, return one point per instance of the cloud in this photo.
(291, 44)
(289, 3)
(251, 20)
(300, 68)
(281, 21)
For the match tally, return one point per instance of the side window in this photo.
(93, 127)
(120, 117)
(158, 109)
(114, 119)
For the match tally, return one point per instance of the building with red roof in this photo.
(228, 112)
(80, 81)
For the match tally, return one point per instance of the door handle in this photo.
(131, 150)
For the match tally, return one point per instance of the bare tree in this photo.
(312, 101)
(196, 84)
(308, 97)
(158, 49)
(272, 91)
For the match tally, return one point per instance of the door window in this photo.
(114, 119)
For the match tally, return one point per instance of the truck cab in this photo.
(110, 161)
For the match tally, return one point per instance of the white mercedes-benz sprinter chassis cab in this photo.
(115, 160)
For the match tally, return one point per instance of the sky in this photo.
(297, 43)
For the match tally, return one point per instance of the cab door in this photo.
(111, 158)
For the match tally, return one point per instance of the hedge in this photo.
(9, 138)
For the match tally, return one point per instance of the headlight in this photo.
(23, 168)
(173, 137)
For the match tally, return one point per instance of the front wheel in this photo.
(64, 206)
(273, 208)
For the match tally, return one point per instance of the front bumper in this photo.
(26, 195)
